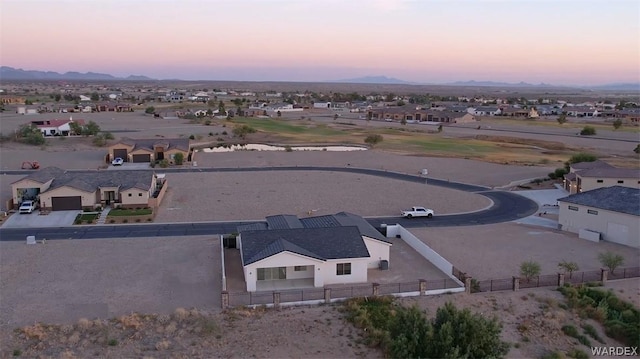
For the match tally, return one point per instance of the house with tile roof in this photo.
(291, 252)
(585, 176)
(150, 150)
(59, 190)
(56, 127)
(612, 213)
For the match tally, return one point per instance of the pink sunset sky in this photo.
(563, 42)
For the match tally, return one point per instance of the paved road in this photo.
(507, 206)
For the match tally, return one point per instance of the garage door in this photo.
(120, 153)
(141, 158)
(66, 203)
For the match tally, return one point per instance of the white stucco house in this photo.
(287, 252)
(608, 213)
(56, 127)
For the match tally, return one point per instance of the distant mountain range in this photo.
(10, 73)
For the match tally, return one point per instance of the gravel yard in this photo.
(195, 197)
(64, 280)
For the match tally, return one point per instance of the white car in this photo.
(117, 161)
(27, 207)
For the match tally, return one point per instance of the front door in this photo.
(111, 197)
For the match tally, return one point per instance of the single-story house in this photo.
(310, 252)
(150, 150)
(585, 176)
(611, 213)
(56, 127)
(60, 190)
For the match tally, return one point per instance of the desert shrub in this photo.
(138, 220)
(373, 140)
(112, 221)
(125, 221)
(164, 163)
(637, 149)
(407, 333)
(78, 221)
(243, 131)
(112, 342)
(588, 131)
(30, 135)
(288, 148)
(207, 123)
(592, 332)
(16, 352)
(617, 124)
(224, 132)
(192, 137)
(578, 354)
(568, 267)
(150, 110)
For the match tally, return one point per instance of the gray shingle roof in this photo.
(615, 199)
(610, 173)
(590, 165)
(318, 243)
(89, 181)
(283, 221)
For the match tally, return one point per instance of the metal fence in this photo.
(551, 280)
(337, 292)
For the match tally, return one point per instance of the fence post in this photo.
(604, 273)
(375, 289)
(327, 295)
(560, 279)
(422, 286)
(225, 299)
(276, 300)
(516, 284)
(467, 285)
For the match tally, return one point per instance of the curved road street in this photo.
(507, 206)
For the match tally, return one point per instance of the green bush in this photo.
(407, 333)
(178, 158)
(164, 163)
(529, 269)
(373, 140)
(588, 131)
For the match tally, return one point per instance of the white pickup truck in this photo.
(417, 212)
(27, 207)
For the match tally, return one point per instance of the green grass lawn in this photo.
(121, 212)
(87, 217)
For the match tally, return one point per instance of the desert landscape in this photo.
(160, 297)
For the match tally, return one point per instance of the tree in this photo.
(440, 128)
(178, 158)
(617, 124)
(568, 267)
(150, 110)
(57, 97)
(31, 135)
(335, 116)
(588, 131)
(28, 102)
(91, 129)
(637, 149)
(243, 131)
(610, 260)
(373, 140)
(279, 114)
(562, 119)
(75, 128)
(95, 96)
(529, 269)
(403, 121)
(221, 109)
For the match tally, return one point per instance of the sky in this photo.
(560, 42)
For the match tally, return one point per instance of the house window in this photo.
(599, 181)
(130, 195)
(274, 273)
(139, 194)
(343, 269)
(620, 181)
(573, 208)
(300, 268)
(591, 211)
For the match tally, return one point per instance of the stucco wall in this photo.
(377, 251)
(284, 259)
(589, 183)
(615, 227)
(88, 198)
(138, 197)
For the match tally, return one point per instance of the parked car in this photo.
(117, 161)
(417, 212)
(27, 207)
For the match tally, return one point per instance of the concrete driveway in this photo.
(36, 220)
